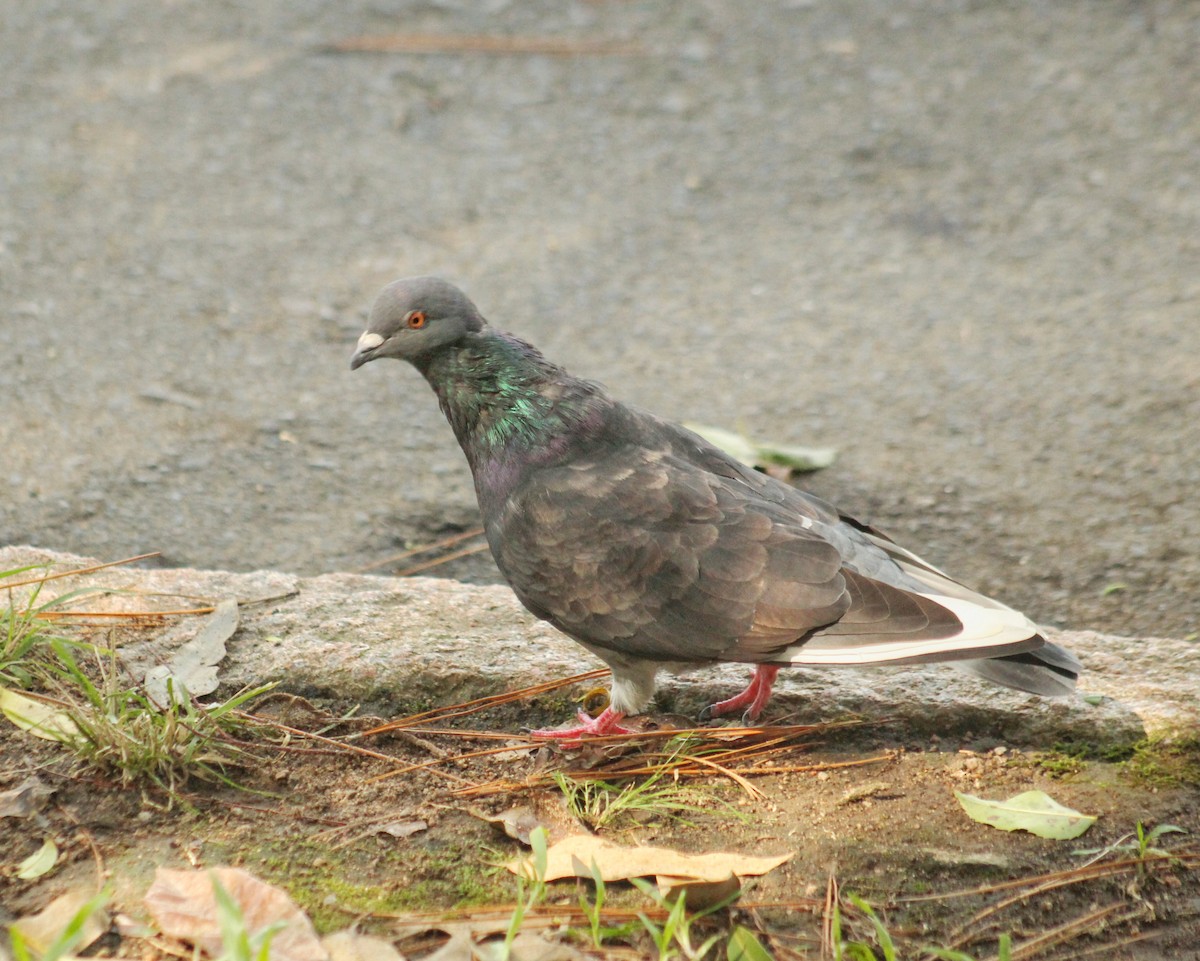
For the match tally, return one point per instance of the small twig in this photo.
(50, 615)
(407, 737)
(510, 786)
(82, 570)
(828, 948)
(138, 592)
(266, 600)
(683, 770)
(538, 915)
(1110, 947)
(126, 615)
(480, 703)
(426, 765)
(338, 746)
(711, 733)
(471, 735)
(444, 559)
(101, 874)
(423, 549)
(1060, 878)
(1072, 929)
(1105, 852)
(753, 792)
(823, 766)
(467, 43)
(676, 765)
(274, 812)
(1031, 888)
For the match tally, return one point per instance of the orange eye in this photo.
(415, 320)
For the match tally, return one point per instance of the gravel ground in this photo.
(957, 240)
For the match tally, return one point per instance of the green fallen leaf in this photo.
(744, 946)
(38, 718)
(1032, 811)
(765, 453)
(38, 863)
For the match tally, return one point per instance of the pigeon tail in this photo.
(1050, 670)
(983, 630)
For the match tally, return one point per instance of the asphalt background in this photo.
(960, 241)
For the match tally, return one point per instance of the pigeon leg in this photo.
(607, 723)
(754, 698)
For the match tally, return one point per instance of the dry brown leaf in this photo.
(25, 799)
(474, 939)
(543, 809)
(403, 829)
(193, 668)
(39, 930)
(184, 906)
(530, 946)
(573, 856)
(127, 927)
(700, 894)
(460, 947)
(517, 822)
(350, 945)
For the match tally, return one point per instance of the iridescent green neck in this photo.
(500, 394)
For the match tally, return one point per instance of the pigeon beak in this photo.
(367, 344)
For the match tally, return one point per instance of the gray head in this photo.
(415, 317)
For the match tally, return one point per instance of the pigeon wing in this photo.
(640, 551)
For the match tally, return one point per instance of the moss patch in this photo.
(335, 884)
(1166, 761)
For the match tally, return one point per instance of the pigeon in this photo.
(656, 550)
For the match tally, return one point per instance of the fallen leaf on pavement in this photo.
(193, 668)
(37, 717)
(766, 454)
(402, 829)
(184, 906)
(350, 945)
(24, 799)
(41, 930)
(1032, 811)
(40, 862)
(572, 856)
(744, 946)
(700, 894)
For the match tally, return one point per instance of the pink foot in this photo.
(754, 698)
(606, 723)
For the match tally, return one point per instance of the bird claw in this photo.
(714, 711)
(606, 723)
(754, 698)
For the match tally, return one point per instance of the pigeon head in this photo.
(414, 318)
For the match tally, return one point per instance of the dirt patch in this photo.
(879, 818)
